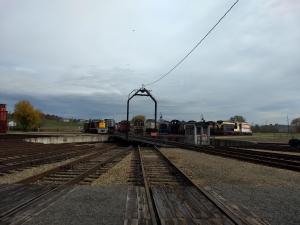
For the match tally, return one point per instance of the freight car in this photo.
(95, 126)
(3, 118)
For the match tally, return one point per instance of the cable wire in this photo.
(193, 49)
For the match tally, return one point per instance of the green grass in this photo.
(54, 125)
(264, 137)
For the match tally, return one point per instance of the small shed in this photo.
(197, 133)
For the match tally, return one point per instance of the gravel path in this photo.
(271, 193)
(117, 174)
(86, 205)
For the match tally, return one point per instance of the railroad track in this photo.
(279, 160)
(24, 153)
(135, 176)
(20, 147)
(33, 194)
(275, 147)
(13, 162)
(272, 159)
(170, 197)
(22, 164)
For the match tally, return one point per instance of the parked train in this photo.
(110, 125)
(242, 128)
(150, 126)
(123, 126)
(138, 126)
(163, 126)
(99, 126)
(222, 128)
(176, 127)
(229, 128)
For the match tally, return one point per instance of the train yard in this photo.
(221, 145)
(159, 191)
(254, 153)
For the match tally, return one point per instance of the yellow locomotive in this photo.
(96, 126)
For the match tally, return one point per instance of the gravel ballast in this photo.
(117, 174)
(271, 193)
(86, 205)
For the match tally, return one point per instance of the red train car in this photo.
(123, 126)
(3, 118)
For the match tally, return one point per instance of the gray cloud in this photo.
(82, 59)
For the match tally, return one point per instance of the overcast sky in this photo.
(82, 58)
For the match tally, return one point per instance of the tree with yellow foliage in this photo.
(138, 117)
(26, 116)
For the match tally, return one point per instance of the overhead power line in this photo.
(193, 49)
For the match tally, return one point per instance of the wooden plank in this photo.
(131, 204)
(162, 206)
(178, 206)
(137, 212)
(215, 216)
(143, 210)
(178, 200)
(183, 221)
(248, 215)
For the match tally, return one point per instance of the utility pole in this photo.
(288, 123)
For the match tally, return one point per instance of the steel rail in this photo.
(264, 153)
(27, 148)
(41, 153)
(4, 216)
(266, 161)
(84, 158)
(237, 218)
(278, 160)
(22, 184)
(38, 158)
(152, 210)
(38, 161)
(276, 147)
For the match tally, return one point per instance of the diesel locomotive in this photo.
(99, 126)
